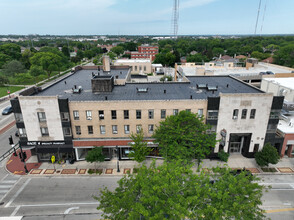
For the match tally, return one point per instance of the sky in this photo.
(145, 17)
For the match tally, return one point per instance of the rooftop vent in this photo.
(142, 90)
(212, 88)
(201, 86)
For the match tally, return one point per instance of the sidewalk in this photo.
(108, 168)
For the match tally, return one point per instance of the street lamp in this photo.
(118, 170)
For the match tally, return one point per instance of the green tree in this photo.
(173, 191)
(197, 58)
(25, 58)
(184, 136)
(267, 155)
(3, 59)
(218, 51)
(3, 80)
(36, 70)
(13, 67)
(139, 149)
(259, 55)
(117, 50)
(285, 56)
(11, 50)
(95, 155)
(65, 51)
(48, 61)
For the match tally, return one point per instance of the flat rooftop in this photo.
(132, 61)
(146, 91)
(287, 82)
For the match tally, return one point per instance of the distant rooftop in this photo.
(132, 61)
(287, 82)
(155, 91)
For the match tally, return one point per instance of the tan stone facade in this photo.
(120, 122)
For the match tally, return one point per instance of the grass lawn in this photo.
(3, 90)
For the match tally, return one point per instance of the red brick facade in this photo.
(290, 149)
(144, 52)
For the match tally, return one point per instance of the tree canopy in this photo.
(139, 149)
(173, 191)
(184, 136)
(95, 155)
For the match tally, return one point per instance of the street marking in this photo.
(4, 191)
(15, 211)
(8, 181)
(4, 177)
(59, 204)
(5, 186)
(68, 210)
(9, 162)
(280, 210)
(17, 193)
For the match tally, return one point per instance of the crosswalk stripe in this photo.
(5, 186)
(8, 181)
(4, 191)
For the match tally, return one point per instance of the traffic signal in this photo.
(10, 140)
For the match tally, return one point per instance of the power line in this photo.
(257, 16)
(263, 17)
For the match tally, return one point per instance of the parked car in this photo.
(7, 110)
(270, 73)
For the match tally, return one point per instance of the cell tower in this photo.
(175, 18)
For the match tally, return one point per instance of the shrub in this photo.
(267, 155)
(223, 156)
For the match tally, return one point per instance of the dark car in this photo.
(270, 73)
(7, 110)
(16, 134)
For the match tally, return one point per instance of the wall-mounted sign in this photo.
(44, 143)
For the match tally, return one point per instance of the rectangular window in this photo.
(101, 114)
(41, 116)
(136, 68)
(18, 117)
(127, 129)
(188, 110)
(235, 113)
(22, 132)
(256, 148)
(212, 114)
(90, 129)
(244, 114)
(44, 131)
(200, 112)
(150, 128)
(163, 113)
(138, 128)
(89, 115)
(102, 129)
(126, 114)
(66, 131)
(252, 113)
(151, 114)
(140, 68)
(113, 114)
(176, 111)
(138, 114)
(76, 115)
(274, 114)
(64, 116)
(271, 128)
(78, 130)
(211, 130)
(144, 68)
(114, 129)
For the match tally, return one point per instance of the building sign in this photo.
(44, 143)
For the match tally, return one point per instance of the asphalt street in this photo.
(72, 197)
